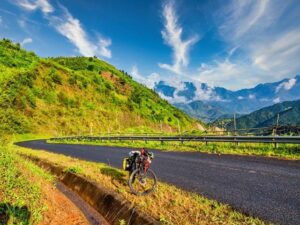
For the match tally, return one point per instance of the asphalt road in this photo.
(260, 187)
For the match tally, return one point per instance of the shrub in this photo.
(56, 78)
(90, 67)
(73, 169)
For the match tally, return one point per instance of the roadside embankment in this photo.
(112, 206)
(169, 204)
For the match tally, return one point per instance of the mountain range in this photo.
(210, 103)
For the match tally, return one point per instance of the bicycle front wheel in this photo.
(142, 183)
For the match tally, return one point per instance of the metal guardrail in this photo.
(234, 139)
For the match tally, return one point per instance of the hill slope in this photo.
(76, 95)
(289, 114)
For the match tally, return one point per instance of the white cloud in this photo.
(1, 20)
(279, 53)
(32, 5)
(286, 85)
(26, 41)
(243, 17)
(103, 47)
(72, 29)
(172, 35)
(69, 27)
(276, 100)
(149, 81)
(268, 40)
(205, 93)
(172, 100)
(240, 97)
(227, 74)
(251, 96)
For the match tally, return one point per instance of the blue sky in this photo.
(234, 44)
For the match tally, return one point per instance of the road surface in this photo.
(260, 187)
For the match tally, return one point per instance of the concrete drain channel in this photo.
(111, 206)
(91, 215)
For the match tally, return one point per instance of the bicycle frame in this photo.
(142, 163)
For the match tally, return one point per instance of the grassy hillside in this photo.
(77, 95)
(288, 115)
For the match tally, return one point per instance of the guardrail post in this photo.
(205, 141)
(161, 141)
(236, 142)
(131, 140)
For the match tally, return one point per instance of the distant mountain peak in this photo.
(223, 100)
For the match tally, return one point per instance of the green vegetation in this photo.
(168, 204)
(65, 96)
(265, 117)
(20, 189)
(284, 151)
(73, 169)
(77, 95)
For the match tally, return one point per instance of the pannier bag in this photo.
(126, 164)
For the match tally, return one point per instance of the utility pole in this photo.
(179, 130)
(118, 124)
(91, 129)
(277, 124)
(234, 123)
(275, 133)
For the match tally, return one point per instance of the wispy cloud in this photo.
(149, 81)
(268, 37)
(286, 85)
(104, 47)
(243, 17)
(1, 20)
(278, 53)
(276, 100)
(32, 5)
(26, 41)
(227, 73)
(172, 35)
(68, 26)
(72, 29)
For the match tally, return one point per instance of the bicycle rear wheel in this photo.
(142, 183)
